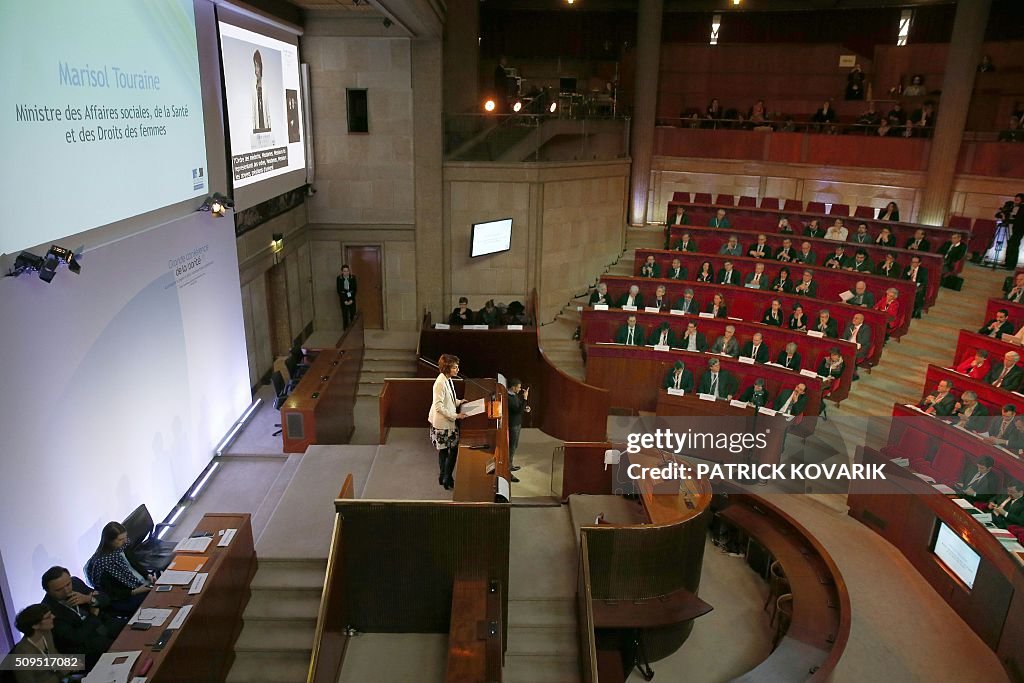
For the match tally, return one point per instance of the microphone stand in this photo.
(494, 394)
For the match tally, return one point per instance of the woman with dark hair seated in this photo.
(36, 623)
(111, 570)
(706, 274)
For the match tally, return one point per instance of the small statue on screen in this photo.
(260, 112)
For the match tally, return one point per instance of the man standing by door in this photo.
(517, 398)
(347, 296)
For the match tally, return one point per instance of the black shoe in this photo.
(515, 468)
(440, 480)
(515, 479)
(856, 377)
(449, 485)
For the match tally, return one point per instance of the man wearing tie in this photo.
(761, 249)
(1009, 510)
(679, 378)
(826, 324)
(650, 268)
(662, 336)
(806, 256)
(970, 414)
(720, 221)
(789, 358)
(731, 247)
(687, 304)
(807, 286)
(727, 344)
(1016, 295)
(792, 401)
(861, 295)
(757, 279)
(684, 243)
(632, 298)
(756, 395)
(676, 272)
(918, 242)
(952, 252)
(981, 486)
(1007, 375)
(919, 276)
(346, 285)
(860, 334)
(786, 253)
(660, 300)
(889, 267)
(838, 260)
(999, 326)
(717, 382)
(692, 339)
(774, 315)
(728, 276)
(1001, 427)
(756, 349)
(630, 334)
(940, 402)
(600, 296)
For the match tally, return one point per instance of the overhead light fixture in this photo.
(277, 241)
(518, 106)
(489, 105)
(553, 107)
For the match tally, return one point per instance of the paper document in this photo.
(198, 583)
(845, 296)
(180, 617)
(154, 616)
(198, 544)
(473, 408)
(225, 540)
(943, 489)
(188, 563)
(504, 488)
(808, 373)
(966, 505)
(173, 578)
(113, 667)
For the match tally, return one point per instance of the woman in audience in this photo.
(112, 571)
(891, 212)
(782, 283)
(714, 112)
(758, 114)
(891, 307)
(707, 273)
(773, 316)
(885, 238)
(717, 307)
(798, 321)
(783, 228)
(36, 623)
(916, 87)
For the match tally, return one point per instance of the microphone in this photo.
(494, 394)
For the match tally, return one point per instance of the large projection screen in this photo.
(118, 384)
(102, 115)
(264, 106)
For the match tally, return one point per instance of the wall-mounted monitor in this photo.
(960, 558)
(491, 237)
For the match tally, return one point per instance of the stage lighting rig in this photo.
(47, 265)
(217, 204)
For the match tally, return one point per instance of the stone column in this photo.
(428, 160)
(957, 86)
(645, 101)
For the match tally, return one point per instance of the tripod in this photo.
(999, 242)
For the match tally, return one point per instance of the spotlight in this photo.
(217, 204)
(518, 106)
(54, 257)
(277, 241)
(489, 105)
(27, 261)
(553, 107)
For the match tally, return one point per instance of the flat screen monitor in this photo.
(491, 237)
(956, 554)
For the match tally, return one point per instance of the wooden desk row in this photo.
(601, 326)
(476, 650)
(751, 304)
(710, 240)
(991, 397)
(968, 342)
(830, 283)
(1015, 310)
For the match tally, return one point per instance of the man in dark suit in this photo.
(679, 216)
(662, 336)
(692, 339)
(1001, 427)
(786, 253)
(888, 267)
(632, 298)
(677, 271)
(630, 334)
(807, 286)
(806, 255)
(685, 243)
(462, 315)
(346, 285)
(686, 303)
(969, 413)
(729, 275)
(789, 358)
(858, 333)
(600, 296)
(1008, 510)
(81, 626)
(918, 242)
(837, 260)
(812, 229)
(860, 263)
(826, 324)
(953, 252)
(727, 344)
(650, 268)
(679, 378)
(756, 349)
(998, 326)
(940, 402)
(517, 398)
(717, 382)
(861, 295)
(1012, 214)
(758, 279)
(919, 276)
(732, 247)
(980, 486)
(756, 395)
(1007, 375)
(792, 401)
(760, 249)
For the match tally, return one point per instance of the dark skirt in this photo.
(444, 438)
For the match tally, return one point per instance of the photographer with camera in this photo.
(517, 398)
(1012, 216)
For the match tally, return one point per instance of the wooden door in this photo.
(277, 310)
(367, 265)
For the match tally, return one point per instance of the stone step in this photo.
(285, 574)
(541, 640)
(540, 669)
(280, 635)
(283, 604)
(553, 612)
(389, 354)
(394, 368)
(270, 667)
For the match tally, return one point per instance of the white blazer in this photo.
(443, 407)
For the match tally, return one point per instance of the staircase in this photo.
(542, 641)
(382, 363)
(276, 642)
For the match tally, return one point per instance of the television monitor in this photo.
(959, 557)
(491, 237)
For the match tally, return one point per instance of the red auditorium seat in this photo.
(816, 207)
(750, 201)
(681, 197)
(946, 466)
(726, 200)
(770, 203)
(1017, 531)
(982, 234)
(960, 222)
(912, 445)
(864, 212)
(702, 198)
(840, 210)
(793, 205)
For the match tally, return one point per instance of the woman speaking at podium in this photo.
(444, 419)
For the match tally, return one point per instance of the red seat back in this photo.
(770, 203)
(749, 201)
(726, 200)
(948, 464)
(816, 207)
(840, 210)
(960, 222)
(681, 197)
(864, 212)
(793, 205)
(702, 198)
(913, 444)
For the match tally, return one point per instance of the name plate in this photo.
(746, 360)
(729, 317)
(707, 397)
(767, 411)
(475, 327)
(652, 309)
(629, 308)
(815, 333)
(808, 373)
(737, 404)
(661, 347)
(515, 327)
(442, 326)
(752, 285)
(676, 392)
(600, 307)
(676, 311)
(705, 314)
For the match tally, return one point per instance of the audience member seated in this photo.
(918, 242)
(922, 121)
(732, 247)
(679, 378)
(916, 87)
(862, 236)
(679, 216)
(706, 274)
(461, 315)
(886, 130)
(489, 315)
(969, 414)
(976, 366)
(36, 624)
(714, 113)
(1000, 428)
(838, 259)
(890, 305)
(756, 395)
(885, 238)
(830, 369)
(888, 267)
(782, 282)
(786, 253)
(761, 248)
(860, 263)
(789, 358)
(756, 349)
(677, 271)
(758, 114)
(1014, 131)
(825, 115)
(662, 335)
(693, 340)
(660, 300)
(891, 212)
(81, 624)
(998, 326)
(774, 315)
(758, 279)
(686, 303)
(940, 402)
(826, 324)
(860, 334)
(837, 231)
(798, 319)
(917, 274)
(1008, 510)
(783, 228)
(792, 401)
(729, 275)
(981, 486)
(1007, 375)
(727, 344)
(717, 382)
(807, 285)
(600, 296)
(870, 117)
(813, 229)
(861, 295)
(515, 314)
(632, 298)
(1016, 293)
(953, 251)
(720, 220)
(806, 255)
(650, 268)
(716, 307)
(986, 64)
(630, 334)
(897, 119)
(113, 571)
(685, 243)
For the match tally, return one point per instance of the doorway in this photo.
(277, 310)
(366, 264)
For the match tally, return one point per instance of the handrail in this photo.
(585, 617)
